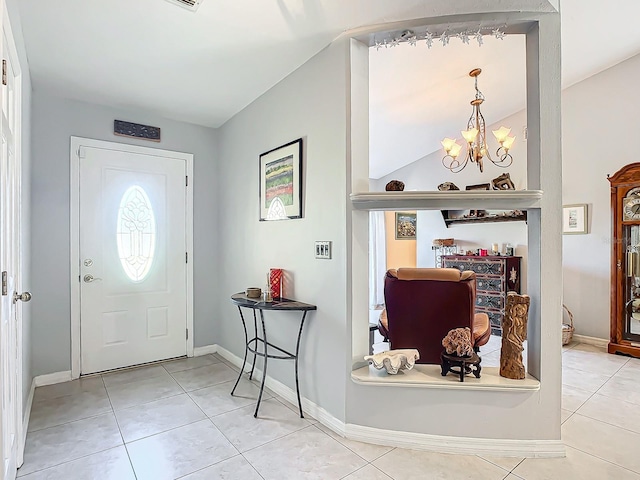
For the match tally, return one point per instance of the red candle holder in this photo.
(275, 282)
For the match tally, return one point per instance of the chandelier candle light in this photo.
(475, 137)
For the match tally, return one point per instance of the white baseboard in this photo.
(457, 445)
(206, 350)
(416, 441)
(51, 378)
(597, 342)
(25, 421)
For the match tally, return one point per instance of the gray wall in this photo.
(54, 121)
(25, 236)
(309, 103)
(597, 115)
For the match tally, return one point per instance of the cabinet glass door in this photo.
(632, 283)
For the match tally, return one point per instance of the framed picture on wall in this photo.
(281, 182)
(574, 219)
(406, 225)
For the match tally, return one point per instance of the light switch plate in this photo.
(323, 250)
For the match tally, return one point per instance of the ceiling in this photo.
(204, 67)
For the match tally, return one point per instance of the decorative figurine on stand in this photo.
(458, 352)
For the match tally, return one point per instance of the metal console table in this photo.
(251, 345)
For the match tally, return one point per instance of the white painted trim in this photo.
(76, 143)
(25, 422)
(74, 226)
(457, 445)
(206, 350)
(416, 441)
(429, 376)
(189, 247)
(596, 342)
(52, 378)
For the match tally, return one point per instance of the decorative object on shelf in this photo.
(495, 249)
(266, 292)
(475, 137)
(574, 219)
(514, 333)
(429, 36)
(447, 187)
(480, 216)
(394, 186)
(444, 242)
(275, 282)
(479, 186)
(266, 295)
(509, 250)
(567, 328)
(465, 365)
(495, 276)
(281, 182)
(625, 261)
(406, 225)
(394, 360)
(443, 246)
(458, 342)
(503, 182)
(253, 292)
(129, 129)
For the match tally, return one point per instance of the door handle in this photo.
(24, 297)
(88, 278)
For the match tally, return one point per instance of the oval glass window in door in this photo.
(136, 233)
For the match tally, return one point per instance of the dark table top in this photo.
(282, 304)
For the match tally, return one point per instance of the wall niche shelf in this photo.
(486, 219)
(452, 200)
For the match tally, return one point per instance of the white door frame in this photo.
(76, 143)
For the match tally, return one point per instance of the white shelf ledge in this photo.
(428, 376)
(452, 200)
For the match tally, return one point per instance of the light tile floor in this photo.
(177, 420)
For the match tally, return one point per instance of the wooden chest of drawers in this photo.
(495, 276)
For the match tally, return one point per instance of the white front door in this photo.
(10, 261)
(133, 275)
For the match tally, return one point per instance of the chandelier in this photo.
(475, 137)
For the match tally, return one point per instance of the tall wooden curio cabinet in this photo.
(625, 261)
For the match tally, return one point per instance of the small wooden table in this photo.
(251, 345)
(465, 365)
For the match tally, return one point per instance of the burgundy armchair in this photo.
(423, 304)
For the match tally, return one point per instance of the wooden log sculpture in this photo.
(514, 332)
